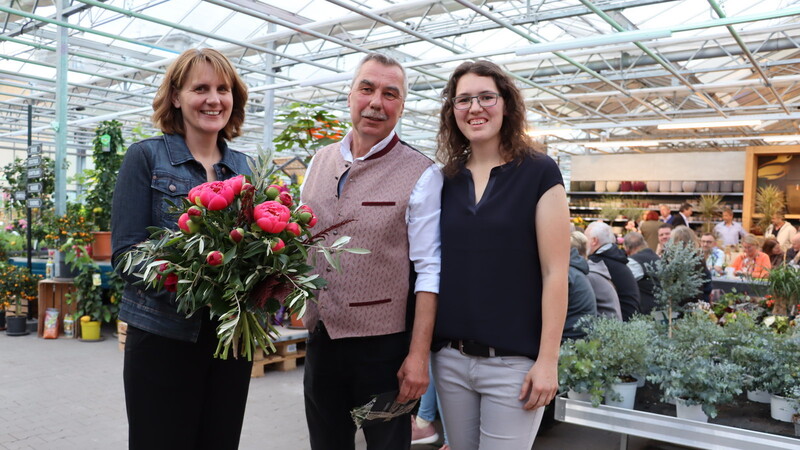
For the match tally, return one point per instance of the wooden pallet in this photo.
(285, 358)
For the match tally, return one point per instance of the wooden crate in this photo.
(52, 294)
(23, 310)
(285, 358)
(122, 334)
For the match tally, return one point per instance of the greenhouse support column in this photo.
(61, 112)
(28, 215)
(269, 96)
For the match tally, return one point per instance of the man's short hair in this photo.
(602, 232)
(386, 61)
(728, 210)
(708, 233)
(633, 240)
(685, 207)
(578, 241)
(665, 225)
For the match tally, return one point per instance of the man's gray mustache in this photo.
(374, 115)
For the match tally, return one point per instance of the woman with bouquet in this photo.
(505, 255)
(178, 396)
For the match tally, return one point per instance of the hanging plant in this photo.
(108, 150)
(308, 127)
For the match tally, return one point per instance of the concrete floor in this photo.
(65, 394)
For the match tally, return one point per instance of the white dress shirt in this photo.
(422, 217)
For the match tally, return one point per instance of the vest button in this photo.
(335, 232)
(325, 288)
(327, 269)
(172, 188)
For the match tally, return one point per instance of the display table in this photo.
(39, 267)
(666, 428)
(289, 346)
(743, 286)
(52, 294)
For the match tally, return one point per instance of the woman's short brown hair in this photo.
(170, 119)
(453, 146)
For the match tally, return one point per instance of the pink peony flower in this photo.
(294, 228)
(187, 225)
(271, 216)
(236, 235)
(285, 199)
(215, 195)
(307, 216)
(277, 245)
(236, 183)
(214, 258)
(171, 283)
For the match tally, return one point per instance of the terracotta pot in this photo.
(713, 186)
(612, 186)
(652, 186)
(702, 186)
(688, 186)
(101, 246)
(599, 186)
(296, 322)
(625, 186)
(639, 186)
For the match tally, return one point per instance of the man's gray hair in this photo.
(633, 240)
(602, 232)
(386, 61)
(578, 241)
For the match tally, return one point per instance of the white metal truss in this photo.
(706, 60)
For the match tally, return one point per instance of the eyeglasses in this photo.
(485, 100)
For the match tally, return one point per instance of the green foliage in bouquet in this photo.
(241, 250)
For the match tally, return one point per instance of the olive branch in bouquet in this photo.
(241, 249)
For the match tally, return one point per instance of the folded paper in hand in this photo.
(382, 408)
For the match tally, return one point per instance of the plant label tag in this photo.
(96, 281)
(20, 195)
(34, 203)
(35, 187)
(34, 173)
(33, 161)
(35, 149)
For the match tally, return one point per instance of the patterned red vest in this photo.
(368, 297)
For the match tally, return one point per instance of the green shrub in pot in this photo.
(581, 368)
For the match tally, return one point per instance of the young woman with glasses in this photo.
(505, 255)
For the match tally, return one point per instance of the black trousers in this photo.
(178, 396)
(341, 374)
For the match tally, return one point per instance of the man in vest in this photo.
(360, 342)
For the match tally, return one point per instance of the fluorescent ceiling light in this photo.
(325, 80)
(615, 144)
(784, 138)
(561, 132)
(715, 124)
(614, 38)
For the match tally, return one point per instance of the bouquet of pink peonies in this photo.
(241, 249)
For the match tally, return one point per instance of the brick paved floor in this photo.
(65, 394)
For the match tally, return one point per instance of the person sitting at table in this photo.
(781, 230)
(752, 262)
(772, 249)
(713, 256)
(793, 254)
(664, 233)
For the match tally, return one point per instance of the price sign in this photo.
(34, 203)
(35, 149)
(34, 173)
(20, 195)
(34, 161)
(35, 188)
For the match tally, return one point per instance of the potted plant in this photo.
(796, 422)
(18, 287)
(581, 370)
(782, 374)
(708, 207)
(94, 304)
(770, 199)
(749, 344)
(107, 153)
(677, 278)
(784, 283)
(625, 351)
(687, 367)
(307, 126)
(75, 227)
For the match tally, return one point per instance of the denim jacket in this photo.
(156, 170)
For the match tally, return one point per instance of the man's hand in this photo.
(540, 385)
(412, 378)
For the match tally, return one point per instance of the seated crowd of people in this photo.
(609, 280)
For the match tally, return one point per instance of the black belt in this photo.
(473, 348)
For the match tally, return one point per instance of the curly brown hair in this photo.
(453, 146)
(170, 119)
